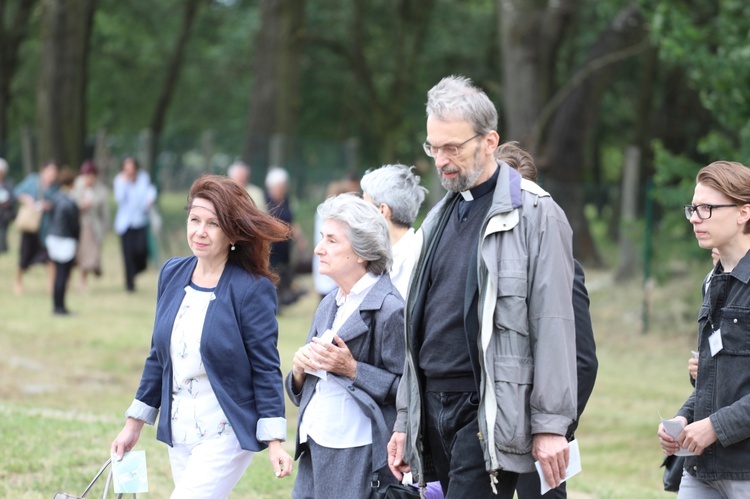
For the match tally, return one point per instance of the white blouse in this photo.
(332, 417)
(405, 254)
(196, 413)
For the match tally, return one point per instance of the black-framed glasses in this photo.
(703, 210)
(450, 151)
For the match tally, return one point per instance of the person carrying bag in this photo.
(29, 216)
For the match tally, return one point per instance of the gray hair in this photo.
(276, 175)
(366, 229)
(456, 97)
(398, 187)
(236, 166)
(3, 166)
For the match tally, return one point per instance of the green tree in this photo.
(381, 46)
(171, 77)
(711, 41)
(15, 18)
(275, 96)
(553, 108)
(61, 87)
(705, 55)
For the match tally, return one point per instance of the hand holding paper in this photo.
(574, 467)
(327, 337)
(674, 427)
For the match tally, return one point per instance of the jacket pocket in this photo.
(735, 324)
(511, 310)
(513, 381)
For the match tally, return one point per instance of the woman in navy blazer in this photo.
(214, 367)
(345, 377)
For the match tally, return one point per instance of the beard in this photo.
(464, 180)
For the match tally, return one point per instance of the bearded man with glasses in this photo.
(489, 385)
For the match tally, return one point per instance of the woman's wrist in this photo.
(134, 423)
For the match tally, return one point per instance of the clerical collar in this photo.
(481, 189)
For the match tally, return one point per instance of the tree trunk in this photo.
(627, 262)
(170, 83)
(531, 32)
(642, 130)
(10, 43)
(61, 89)
(564, 154)
(409, 21)
(381, 102)
(274, 98)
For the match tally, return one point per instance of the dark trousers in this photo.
(134, 254)
(281, 263)
(452, 428)
(529, 487)
(62, 274)
(3, 237)
(32, 251)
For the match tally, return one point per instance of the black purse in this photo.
(392, 491)
(673, 466)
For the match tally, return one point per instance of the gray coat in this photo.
(375, 336)
(525, 360)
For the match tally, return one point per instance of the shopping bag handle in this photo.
(101, 470)
(106, 486)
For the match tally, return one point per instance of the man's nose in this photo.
(441, 159)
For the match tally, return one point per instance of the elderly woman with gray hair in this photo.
(345, 377)
(395, 191)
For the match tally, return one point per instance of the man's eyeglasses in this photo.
(703, 210)
(450, 151)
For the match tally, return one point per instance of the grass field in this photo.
(66, 381)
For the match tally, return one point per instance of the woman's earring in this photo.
(232, 248)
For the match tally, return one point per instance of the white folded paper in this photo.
(574, 466)
(674, 427)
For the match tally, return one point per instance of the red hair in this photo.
(251, 230)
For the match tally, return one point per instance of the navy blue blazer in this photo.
(238, 348)
(375, 336)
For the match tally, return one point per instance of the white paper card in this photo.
(574, 466)
(674, 427)
(714, 341)
(326, 337)
(129, 476)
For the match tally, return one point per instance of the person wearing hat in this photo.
(91, 195)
